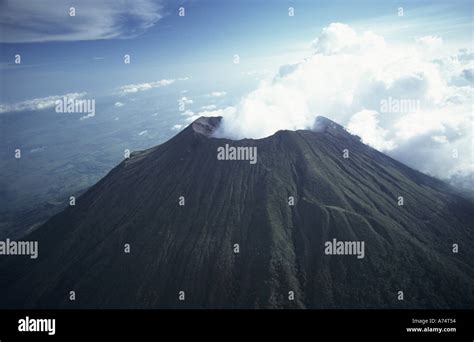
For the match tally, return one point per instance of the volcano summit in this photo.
(175, 227)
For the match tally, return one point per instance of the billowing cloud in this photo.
(134, 88)
(50, 20)
(38, 103)
(119, 104)
(366, 124)
(409, 101)
(339, 38)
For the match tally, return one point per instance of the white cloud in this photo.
(227, 112)
(143, 132)
(38, 103)
(209, 107)
(134, 88)
(185, 100)
(366, 124)
(176, 127)
(188, 113)
(49, 20)
(347, 79)
(217, 94)
(339, 38)
(119, 104)
(87, 116)
(224, 112)
(430, 41)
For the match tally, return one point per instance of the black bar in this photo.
(172, 324)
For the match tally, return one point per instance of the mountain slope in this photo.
(190, 248)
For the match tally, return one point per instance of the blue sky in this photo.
(200, 45)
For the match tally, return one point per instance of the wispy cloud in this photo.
(217, 94)
(38, 103)
(134, 88)
(50, 20)
(87, 116)
(209, 107)
(185, 100)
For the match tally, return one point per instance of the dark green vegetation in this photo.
(190, 248)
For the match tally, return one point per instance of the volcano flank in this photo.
(203, 232)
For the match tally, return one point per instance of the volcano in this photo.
(176, 227)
